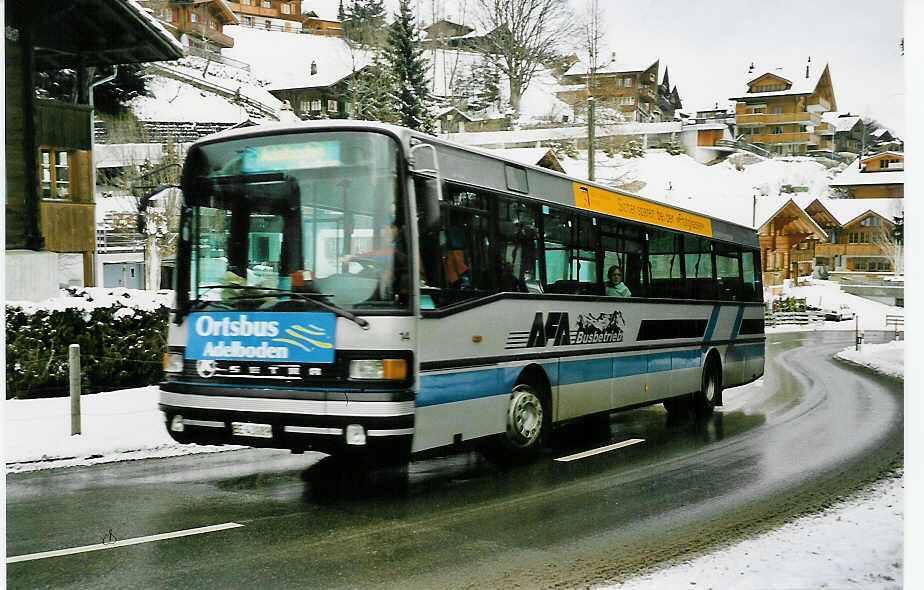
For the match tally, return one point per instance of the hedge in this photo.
(122, 339)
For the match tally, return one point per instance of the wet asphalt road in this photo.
(812, 431)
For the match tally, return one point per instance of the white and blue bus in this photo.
(356, 287)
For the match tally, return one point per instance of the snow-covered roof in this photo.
(283, 60)
(156, 24)
(853, 176)
(581, 67)
(848, 210)
(792, 74)
(884, 153)
(840, 121)
(530, 156)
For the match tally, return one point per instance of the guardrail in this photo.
(895, 321)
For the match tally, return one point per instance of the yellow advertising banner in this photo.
(613, 203)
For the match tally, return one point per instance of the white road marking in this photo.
(124, 542)
(591, 452)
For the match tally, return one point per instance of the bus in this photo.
(369, 291)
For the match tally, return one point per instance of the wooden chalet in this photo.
(272, 15)
(49, 171)
(878, 176)
(633, 91)
(846, 236)
(781, 108)
(196, 23)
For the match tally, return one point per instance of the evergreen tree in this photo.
(371, 93)
(405, 57)
(110, 98)
(479, 89)
(363, 21)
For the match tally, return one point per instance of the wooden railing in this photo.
(803, 137)
(778, 118)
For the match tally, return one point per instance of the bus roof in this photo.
(481, 168)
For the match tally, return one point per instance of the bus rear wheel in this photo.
(706, 399)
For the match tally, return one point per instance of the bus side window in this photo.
(697, 255)
(665, 267)
(623, 246)
(517, 246)
(728, 272)
(753, 289)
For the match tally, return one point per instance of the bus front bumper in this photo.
(328, 421)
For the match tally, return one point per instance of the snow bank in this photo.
(854, 545)
(887, 359)
(116, 426)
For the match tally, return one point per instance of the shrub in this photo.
(121, 342)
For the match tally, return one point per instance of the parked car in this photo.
(841, 312)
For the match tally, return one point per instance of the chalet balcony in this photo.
(759, 119)
(252, 10)
(824, 129)
(771, 138)
(848, 249)
(646, 94)
(219, 38)
(801, 256)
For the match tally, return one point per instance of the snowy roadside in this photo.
(116, 426)
(856, 544)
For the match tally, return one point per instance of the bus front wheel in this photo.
(527, 420)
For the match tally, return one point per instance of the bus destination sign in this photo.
(613, 203)
(262, 336)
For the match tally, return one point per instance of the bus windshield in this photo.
(292, 221)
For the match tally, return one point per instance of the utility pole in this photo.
(590, 137)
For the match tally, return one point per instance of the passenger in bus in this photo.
(614, 285)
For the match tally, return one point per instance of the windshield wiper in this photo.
(318, 299)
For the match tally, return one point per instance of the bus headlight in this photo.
(394, 369)
(173, 362)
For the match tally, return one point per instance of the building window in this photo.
(213, 25)
(627, 82)
(268, 24)
(316, 104)
(777, 110)
(247, 21)
(755, 110)
(627, 100)
(246, 2)
(776, 129)
(871, 221)
(304, 106)
(858, 237)
(331, 106)
(55, 174)
(193, 17)
(266, 4)
(286, 9)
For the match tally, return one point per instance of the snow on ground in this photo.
(116, 426)
(857, 544)
(828, 295)
(887, 358)
(173, 100)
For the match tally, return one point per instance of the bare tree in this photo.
(891, 243)
(522, 35)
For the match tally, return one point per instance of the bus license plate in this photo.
(251, 429)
